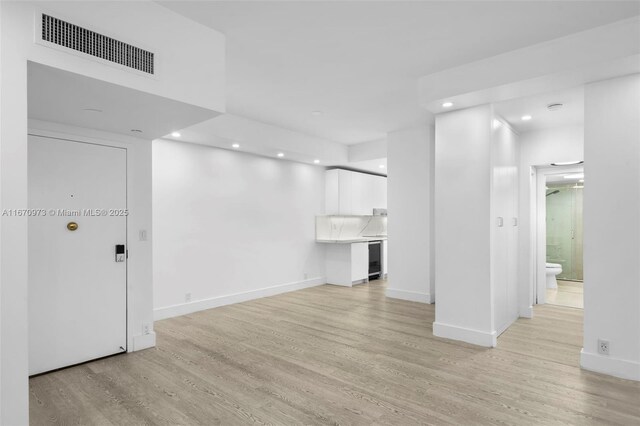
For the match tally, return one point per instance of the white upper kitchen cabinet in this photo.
(354, 193)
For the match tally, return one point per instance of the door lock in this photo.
(120, 253)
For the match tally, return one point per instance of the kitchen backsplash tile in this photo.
(350, 227)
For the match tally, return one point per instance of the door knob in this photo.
(72, 226)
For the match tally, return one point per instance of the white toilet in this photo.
(553, 269)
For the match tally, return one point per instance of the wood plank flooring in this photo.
(336, 355)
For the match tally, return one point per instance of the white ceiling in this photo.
(571, 114)
(359, 62)
(63, 97)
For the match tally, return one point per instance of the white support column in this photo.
(462, 226)
(410, 160)
(612, 226)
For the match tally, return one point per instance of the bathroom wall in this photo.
(538, 148)
(564, 229)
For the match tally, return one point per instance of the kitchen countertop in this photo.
(353, 240)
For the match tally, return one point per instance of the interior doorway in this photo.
(559, 225)
(77, 252)
(564, 255)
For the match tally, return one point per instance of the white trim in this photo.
(526, 312)
(412, 296)
(143, 341)
(214, 302)
(356, 282)
(604, 364)
(469, 335)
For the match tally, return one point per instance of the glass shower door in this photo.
(564, 229)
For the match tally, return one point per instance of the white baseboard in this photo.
(144, 341)
(412, 296)
(469, 335)
(612, 366)
(214, 302)
(526, 312)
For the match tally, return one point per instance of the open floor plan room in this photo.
(333, 355)
(339, 212)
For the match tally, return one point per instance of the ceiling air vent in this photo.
(62, 33)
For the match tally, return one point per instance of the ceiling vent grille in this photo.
(62, 33)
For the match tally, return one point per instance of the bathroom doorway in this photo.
(559, 230)
(564, 220)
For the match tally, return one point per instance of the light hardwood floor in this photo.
(335, 355)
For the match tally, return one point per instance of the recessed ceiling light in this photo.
(136, 130)
(316, 113)
(555, 106)
(526, 117)
(574, 176)
(280, 154)
(236, 145)
(447, 105)
(92, 110)
(316, 161)
(581, 180)
(382, 166)
(567, 163)
(176, 134)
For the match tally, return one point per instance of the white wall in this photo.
(410, 206)
(230, 226)
(371, 150)
(462, 226)
(539, 148)
(612, 226)
(505, 150)
(187, 74)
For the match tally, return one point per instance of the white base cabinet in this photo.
(347, 264)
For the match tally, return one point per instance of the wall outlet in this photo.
(142, 235)
(187, 297)
(603, 347)
(146, 328)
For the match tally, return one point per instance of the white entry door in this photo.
(77, 289)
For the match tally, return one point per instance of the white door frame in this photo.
(113, 143)
(539, 226)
